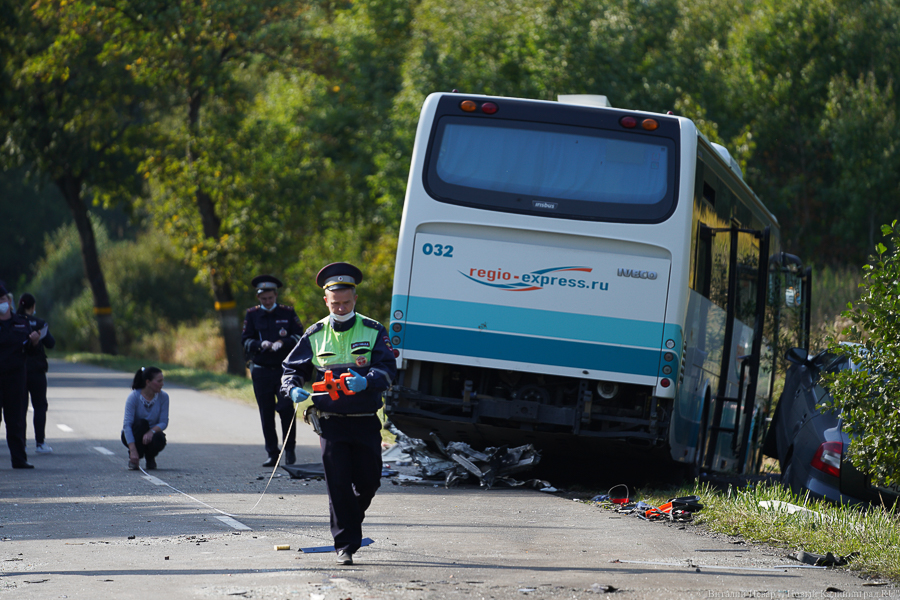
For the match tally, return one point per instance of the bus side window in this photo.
(703, 272)
(709, 193)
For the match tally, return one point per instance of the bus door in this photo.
(746, 287)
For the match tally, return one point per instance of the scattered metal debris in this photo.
(307, 471)
(823, 560)
(457, 461)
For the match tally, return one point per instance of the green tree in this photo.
(194, 57)
(869, 397)
(861, 124)
(68, 110)
(782, 69)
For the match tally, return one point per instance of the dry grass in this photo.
(199, 346)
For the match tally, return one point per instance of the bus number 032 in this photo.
(438, 250)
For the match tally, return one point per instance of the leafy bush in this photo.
(151, 289)
(869, 398)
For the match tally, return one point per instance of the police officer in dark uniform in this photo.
(270, 332)
(344, 408)
(16, 338)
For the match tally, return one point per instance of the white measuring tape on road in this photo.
(277, 462)
(228, 518)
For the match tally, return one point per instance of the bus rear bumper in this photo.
(488, 421)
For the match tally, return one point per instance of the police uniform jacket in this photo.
(279, 324)
(36, 357)
(361, 344)
(14, 342)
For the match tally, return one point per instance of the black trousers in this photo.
(156, 445)
(36, 382)
(351, 455)
(266, 388)
(13, 404)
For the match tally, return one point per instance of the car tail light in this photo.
(828, 458)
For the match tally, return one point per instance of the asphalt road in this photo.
(80, 525)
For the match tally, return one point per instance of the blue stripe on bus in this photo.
(562, 353)
(528, 321)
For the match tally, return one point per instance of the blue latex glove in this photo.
(298, 395)
(357, 383)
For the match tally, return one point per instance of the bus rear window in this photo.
(552, 170)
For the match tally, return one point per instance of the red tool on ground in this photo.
(334, 386)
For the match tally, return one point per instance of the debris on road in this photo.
(787, 507)
(308, 471)
(680, 509)
(823, 560)
(457, 461)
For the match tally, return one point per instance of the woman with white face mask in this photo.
(16, 338)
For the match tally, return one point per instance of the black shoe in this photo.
(271, 461)
(344, 558)
(151, 463)
(290, 457)
(23, 465)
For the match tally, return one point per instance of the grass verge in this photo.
(842, 530)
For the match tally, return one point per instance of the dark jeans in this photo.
(13, 404)
(154, 447)
(266, 384)
(37, 389)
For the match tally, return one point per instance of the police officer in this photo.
(344, 342)
(270, 332)
(16, 337)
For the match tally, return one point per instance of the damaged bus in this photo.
(568, 273)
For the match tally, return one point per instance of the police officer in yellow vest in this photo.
(349, 344)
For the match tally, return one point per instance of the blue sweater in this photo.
(137, 408)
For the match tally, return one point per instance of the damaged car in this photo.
(810, 444)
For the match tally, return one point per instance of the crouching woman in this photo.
(146, 416)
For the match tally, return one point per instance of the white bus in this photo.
(572, 272)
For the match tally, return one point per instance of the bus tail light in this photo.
(488, 108)
(468, 106)
(649, 124)
(628, 122)
(828, 458)
(664, 382)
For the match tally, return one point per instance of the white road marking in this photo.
(65, 428)
(103, 450)
(233, 523)
(228, 519)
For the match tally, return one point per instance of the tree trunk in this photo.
(221, 288)
(70, 186)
